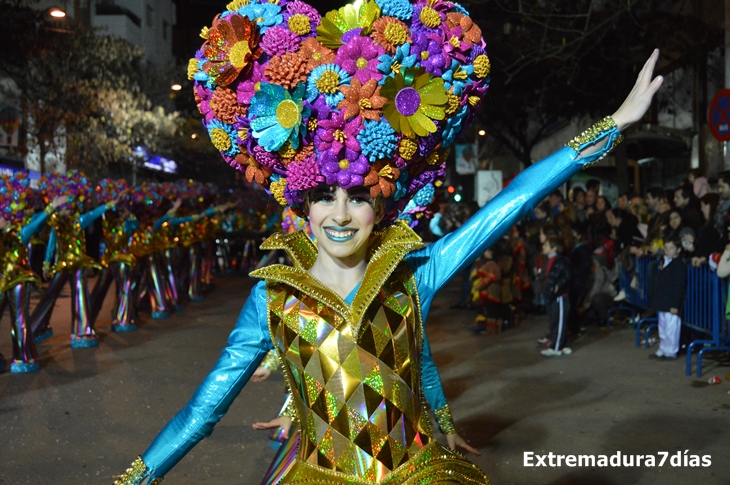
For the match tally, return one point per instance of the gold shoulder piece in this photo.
(300, 249)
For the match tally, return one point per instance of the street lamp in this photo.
(176, 87)
(56, 13)
(482, 132)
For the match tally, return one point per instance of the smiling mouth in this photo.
(340, 235)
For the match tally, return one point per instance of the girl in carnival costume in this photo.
(66, 248)
(342, 118)
(118, 228)
(17, 225)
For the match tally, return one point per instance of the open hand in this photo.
(639, 99)
(260, 374)
(60, 200)
(282, 421)
(454, 440)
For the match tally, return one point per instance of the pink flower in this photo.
(336, 134)
(247, 89)
(278, 40)
(203, 97)
(359, 57)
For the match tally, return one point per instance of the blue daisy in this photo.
(264, 14)
(424, 196)
(223, 137)
(401, 58)
(277, 116)
(326, 80)
(377, 140)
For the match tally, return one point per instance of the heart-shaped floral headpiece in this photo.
(370, 96)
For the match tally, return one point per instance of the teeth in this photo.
(340, 233)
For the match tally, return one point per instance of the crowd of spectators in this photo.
(599, 239)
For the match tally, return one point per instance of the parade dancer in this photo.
(16, 278)
(66, 246)
(346, 319)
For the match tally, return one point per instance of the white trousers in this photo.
(669, 328)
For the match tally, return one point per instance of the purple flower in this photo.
(279, 40)
(268, 159)
(298, 9)
(335, 133)
(247, 89)
(346, 168)
(304, 175)
(359, 57)
(203, 96)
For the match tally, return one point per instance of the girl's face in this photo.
(705, 210)
(675, 220)
(342, 220)
(600, 204)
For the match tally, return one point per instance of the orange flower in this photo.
(233, 43)
(470, 31)
(390, 33)
(225, 106)
(381, 179)
(315, 53)
(252, 170)
(288, 70)
(362, 99)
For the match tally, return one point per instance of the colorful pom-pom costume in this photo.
(355, 365)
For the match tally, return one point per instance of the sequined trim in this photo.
(601, 129)
(445, 420)
(135, 474)
(433, 465)
(290, 411)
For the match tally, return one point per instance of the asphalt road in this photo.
(89, 412)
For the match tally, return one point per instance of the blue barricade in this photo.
(704, 307)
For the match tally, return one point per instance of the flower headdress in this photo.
(73, 184)
(369, 97)
(109, 189)
(17, 198)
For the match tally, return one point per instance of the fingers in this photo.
(267, 425)
(470, 448)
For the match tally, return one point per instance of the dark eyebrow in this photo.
(357, 191)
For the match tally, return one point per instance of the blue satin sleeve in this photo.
(131, 224)
(85, 220)
(435, 264)
(32, 228)
(176, 221)
(51, 246)
(159, 222)
(247, 346)
(430, 379)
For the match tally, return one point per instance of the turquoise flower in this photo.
(264, 14)
(401, 185)
(277, 116)
(402, 58)
(377, 140)
(326, 80)
(400, 9)
(453, 127)
(457, 76)
(224, 137)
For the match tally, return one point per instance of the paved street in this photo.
(90, 412)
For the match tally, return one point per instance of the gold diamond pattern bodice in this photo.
(357, 390)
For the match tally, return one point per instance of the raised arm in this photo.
(438, 262)
(247, 346)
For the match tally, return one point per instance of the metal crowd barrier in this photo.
(704, 307)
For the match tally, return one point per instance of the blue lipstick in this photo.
(334, 238)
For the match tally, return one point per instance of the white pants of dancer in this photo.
(669, 329)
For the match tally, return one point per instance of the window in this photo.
(150, 16)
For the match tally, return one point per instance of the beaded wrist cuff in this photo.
(135, 474)
(46, 266)
(445, 420)
(270, 362)
(49, 209)
(606, 128)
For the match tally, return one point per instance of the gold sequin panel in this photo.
(358, 396)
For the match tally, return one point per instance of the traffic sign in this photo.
(719, 116)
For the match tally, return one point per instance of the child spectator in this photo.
(556, 292)
(487, 292)
(667, 298)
